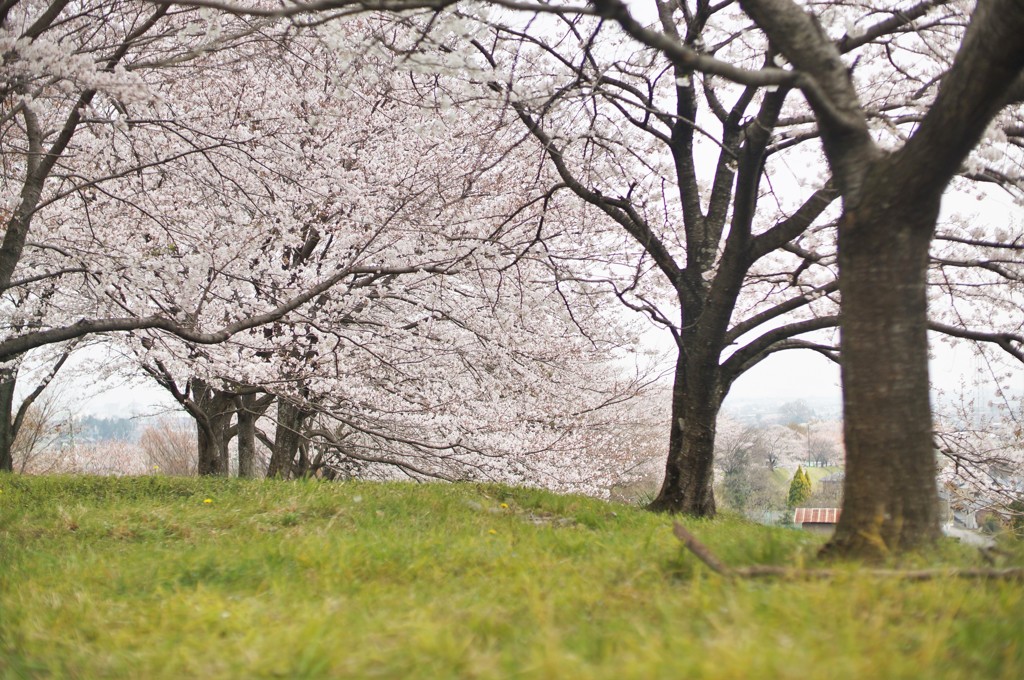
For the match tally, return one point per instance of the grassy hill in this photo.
(172, 578)
(784, 476)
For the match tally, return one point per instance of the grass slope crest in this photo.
(163, 577)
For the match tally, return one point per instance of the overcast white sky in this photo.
(787, 376)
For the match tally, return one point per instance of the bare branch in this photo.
(769, 342)
(1011, 343)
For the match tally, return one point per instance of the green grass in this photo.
(140, 578)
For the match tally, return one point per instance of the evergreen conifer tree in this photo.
(799, 488)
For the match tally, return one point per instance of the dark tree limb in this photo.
(23, 343)
(1012, 344)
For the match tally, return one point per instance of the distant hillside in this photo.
(94, 429)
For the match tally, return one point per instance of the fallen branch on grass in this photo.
(761, 571)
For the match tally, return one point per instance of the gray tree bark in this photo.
(287, 437)
(249, 408)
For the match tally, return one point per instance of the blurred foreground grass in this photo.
(159, 577)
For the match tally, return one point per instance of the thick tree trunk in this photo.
(246, 436)
(212, 435)
(209, 450)
(290, 419)
(689, 469)
(213, 447)
(8, 381)
(890, 495)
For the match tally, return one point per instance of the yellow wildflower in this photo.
(208, 500)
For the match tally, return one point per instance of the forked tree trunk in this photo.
(891, 204)
(212, 434)
(290, 419)
(890, 495)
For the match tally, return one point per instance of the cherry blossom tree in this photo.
(891, 182)
(891, 203)
(712, 276)
(339, 202)
(623, 130)
(446, 338)
(99, 102)
(85, 128)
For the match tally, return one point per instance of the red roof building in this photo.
(822, 519)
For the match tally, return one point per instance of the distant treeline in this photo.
(91, 428)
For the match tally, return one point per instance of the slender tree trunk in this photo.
(8, 381)
(890, 495)
(303, 466)
(286, 439)
(689, 469)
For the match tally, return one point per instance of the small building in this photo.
(822, 520)
(831, 485)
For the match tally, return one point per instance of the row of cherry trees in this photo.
(693, 126)
(305, 222)
(405, 226)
